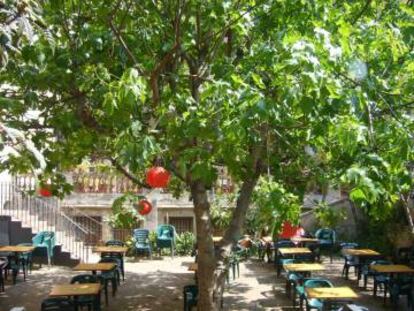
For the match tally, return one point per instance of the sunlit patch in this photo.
(358, 70)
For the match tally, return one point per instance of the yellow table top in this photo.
(16, 248)
(392, 268)
(330, 293)
(294, 250)
(110, 249)
(360, 252)
(193, 267)
(75, 289)
(303, 267)
(102, 266)
(303, 239)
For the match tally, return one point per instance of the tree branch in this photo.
(166, 59)
(359, 15)
(125, 46)
(243, 201)
(127, 174)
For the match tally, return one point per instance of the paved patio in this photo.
(157, 285)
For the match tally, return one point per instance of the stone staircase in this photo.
(25, 215)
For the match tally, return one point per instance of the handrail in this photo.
(78, 211)
(73, 222)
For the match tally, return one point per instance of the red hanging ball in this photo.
(45, 192)
(144, 207)
(158, 177)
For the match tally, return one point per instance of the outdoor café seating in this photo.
(44, 242)
(58, 304)
(166, 236)
(349, 260)
(141, 242)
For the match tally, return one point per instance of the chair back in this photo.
(165, 232)
(38, 238)
(26, 255)
(110, 260)
(84, 278)
(57, 304)
(311, 283)
(348, 245)
(284, 243)
(326, 234)
(114, 243)
(166, 236)
(190, 291)
(141, 236)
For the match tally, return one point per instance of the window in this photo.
(182, 224)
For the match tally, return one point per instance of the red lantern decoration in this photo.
(45, 191)
(144, 207)
(158, 177)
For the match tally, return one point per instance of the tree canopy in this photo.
(295, 91)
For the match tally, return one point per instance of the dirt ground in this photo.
(157, 285)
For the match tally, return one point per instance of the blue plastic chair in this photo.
(312, 303)
(401, 286)
(280, 260)
(3, 264)
(117, 256)
(292, 278)
(367, 272)
(58, 304)
(350, 261)
(190, 294)
(327, 240)
(89, 301)
(166, 236)
(114, 243)
(45, 240)
(112, 276)
(142, 242)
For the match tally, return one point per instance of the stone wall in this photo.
(346, 229)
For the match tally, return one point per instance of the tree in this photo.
(193, 85)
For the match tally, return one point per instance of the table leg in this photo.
(97, 304)
(75, 302)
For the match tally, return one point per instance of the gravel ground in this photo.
(157, 285)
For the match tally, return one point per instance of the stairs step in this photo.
(24, 225)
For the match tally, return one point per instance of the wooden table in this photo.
(17, 249)
(391, 269)
(76, 290)
(110, 249)
(360, 252)
(103, 266)
(303, 267)
(331, 294)
(284, 251)
(363, 254)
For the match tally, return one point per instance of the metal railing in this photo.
(45, 214)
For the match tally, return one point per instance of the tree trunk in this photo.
(407, 212)
(212, 266)
(207, 300)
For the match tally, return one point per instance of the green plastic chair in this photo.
(166, 236)
(46, 240)
(312, 303)
(327, 240)
(190, 294)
